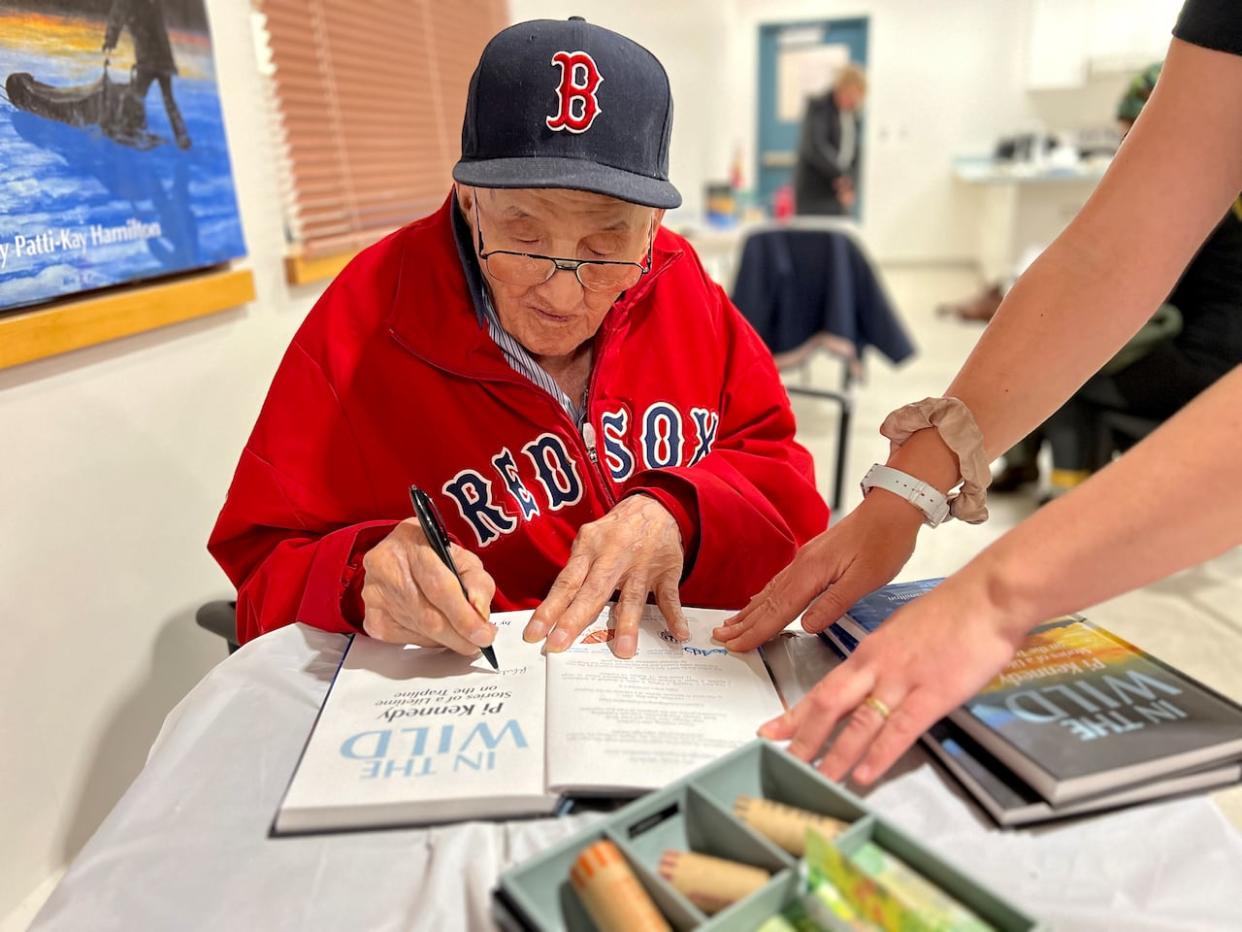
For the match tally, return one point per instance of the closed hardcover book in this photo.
(871, 611)
(840, 641)
(1079, 712)
(1011, 803)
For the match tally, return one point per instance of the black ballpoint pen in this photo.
(429, 519)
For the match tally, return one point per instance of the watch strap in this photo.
(926, 498)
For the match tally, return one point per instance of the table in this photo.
(187, 846)
(1022, 208)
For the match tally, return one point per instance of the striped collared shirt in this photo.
(519, 359)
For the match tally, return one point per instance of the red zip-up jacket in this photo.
(392, 380)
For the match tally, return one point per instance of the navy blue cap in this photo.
(567, 104)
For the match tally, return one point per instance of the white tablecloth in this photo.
(187, 846)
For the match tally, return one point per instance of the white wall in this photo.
(113, 464)
(946, 78)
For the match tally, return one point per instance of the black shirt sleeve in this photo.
(1213, 24)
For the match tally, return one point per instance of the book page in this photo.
(413, 734)
(625, 725)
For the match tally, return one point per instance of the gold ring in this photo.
(879, 705)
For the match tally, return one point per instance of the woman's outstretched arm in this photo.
(1094, 287)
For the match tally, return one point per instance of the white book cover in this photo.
(411, 735)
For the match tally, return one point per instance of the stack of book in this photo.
(1079, 721)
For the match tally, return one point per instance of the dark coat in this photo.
(817, 168)
(795, 284)
(1209, 297)
(145, 21)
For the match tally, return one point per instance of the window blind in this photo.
(368, 98)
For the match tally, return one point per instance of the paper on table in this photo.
(416, 734)
(637, 724)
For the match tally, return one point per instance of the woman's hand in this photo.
(831, 572)
(635, 549)
(929, 658)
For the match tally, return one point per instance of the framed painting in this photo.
(114, 165)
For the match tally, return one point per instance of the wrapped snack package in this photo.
(886, 891)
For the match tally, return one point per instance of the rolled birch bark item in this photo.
(710, 883)
(611, 893)
(783, 825)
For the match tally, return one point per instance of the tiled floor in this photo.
(1193, 620)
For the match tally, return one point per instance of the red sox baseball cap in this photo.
(567, 104)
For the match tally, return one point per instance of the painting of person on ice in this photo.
(153, 56)
(101, 184)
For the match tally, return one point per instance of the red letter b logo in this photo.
(578, 105)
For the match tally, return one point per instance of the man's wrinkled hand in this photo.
(411, 597)
(634, 550)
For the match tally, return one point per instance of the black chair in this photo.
(1117, 431)
(219, 617)
(809, 288)
(846, 403)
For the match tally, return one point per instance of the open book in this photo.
(411, 735)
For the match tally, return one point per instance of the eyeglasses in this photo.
(531, 269)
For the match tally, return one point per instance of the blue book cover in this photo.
(1011, 802)
(871, 611)
(842, 643)
(1078, 712)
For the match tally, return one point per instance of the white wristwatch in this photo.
(926, 498)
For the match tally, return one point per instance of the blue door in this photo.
(795, 58)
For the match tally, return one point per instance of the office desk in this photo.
(187, 846)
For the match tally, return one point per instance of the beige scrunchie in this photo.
(957, 428)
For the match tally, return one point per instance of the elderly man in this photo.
(826, 173)
(589, 411)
